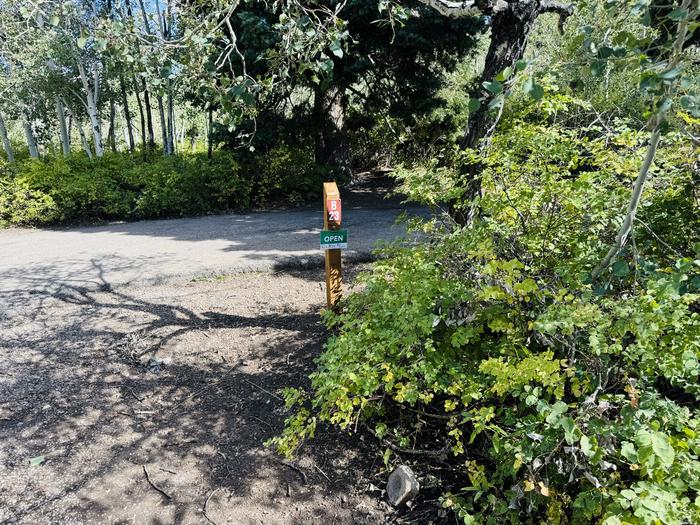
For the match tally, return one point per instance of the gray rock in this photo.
(403, 486)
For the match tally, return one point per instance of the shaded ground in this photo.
(182, 379)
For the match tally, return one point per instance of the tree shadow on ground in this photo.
(126, 395)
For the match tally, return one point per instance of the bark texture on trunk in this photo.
(141, 117)
(332, 147)
(149, 114)
(84, 140)
(509, 32)
(127, 114)
(112, 132)
(81, 132)
(511, 24)
(171, 121)
(31, 140)
(62, 128)
(163, 124)
(91, 97)
(6, 144)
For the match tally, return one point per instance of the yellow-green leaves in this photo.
(510, 375)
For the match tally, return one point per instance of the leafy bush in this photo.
(123, 186)
(536, 394)
(286, 174)
(21, 205)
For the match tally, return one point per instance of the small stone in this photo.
(402, 486)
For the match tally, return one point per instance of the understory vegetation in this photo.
(497, 357)
(64, 189)
(534, 353)
(489, 353)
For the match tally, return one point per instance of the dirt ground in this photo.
(151, 405)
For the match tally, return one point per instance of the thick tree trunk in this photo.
(31, 140)
(6, 141)
(509, 33)
(91, 96)
(127, 115)
(62, 128)
(332, 147)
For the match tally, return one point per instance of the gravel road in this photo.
(157, 251)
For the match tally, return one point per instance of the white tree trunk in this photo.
(79, 125)
(171, 121)
(84, 140)
(6, 141)
(61, 115)
(91, 97)
(31, 140)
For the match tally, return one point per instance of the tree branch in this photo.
(628, 221)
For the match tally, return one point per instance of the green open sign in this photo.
(334, 239)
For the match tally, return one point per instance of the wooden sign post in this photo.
(332, 240)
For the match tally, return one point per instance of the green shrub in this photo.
(124, 186)
(286, 175)
(22, 206)
(81, 189)
(178, 186)
(535, 394)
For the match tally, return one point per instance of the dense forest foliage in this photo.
(536, 354)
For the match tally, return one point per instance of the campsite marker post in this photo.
(333, 239)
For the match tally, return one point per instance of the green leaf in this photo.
(533, 89)
(100, 44)
(662, 448)
(654, 446)
(621, 269)
(520, 65)
(494, 87)
(473, 105)
(598, 68)
(35, 461)
(504, 75)
(678, 14)
(54, 20)
(671, 73)
(587, 447)
(82, 42)
(628, 452)
(605, 52)
(336, 48)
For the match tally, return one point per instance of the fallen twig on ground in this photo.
(321, 471)
(156, 487)
(262, 421)
(204, 509)
(264, 390)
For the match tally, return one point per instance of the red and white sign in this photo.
(333, 209)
